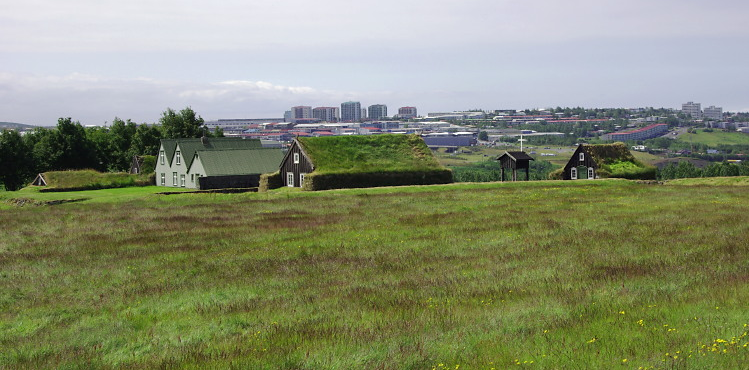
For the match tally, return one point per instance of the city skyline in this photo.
(94, 61)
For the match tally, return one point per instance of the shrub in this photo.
(269, 181)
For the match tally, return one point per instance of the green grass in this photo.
(115, 195)
(576, 275)
(712, 181)
(715, 138)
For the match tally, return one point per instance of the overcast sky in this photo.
(94, 60)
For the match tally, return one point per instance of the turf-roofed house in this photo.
(214, 163)
(360, 161)
(604, 160)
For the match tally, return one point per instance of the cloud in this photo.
(94, 99)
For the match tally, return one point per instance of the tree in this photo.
(16, 165)
(182, 124)
(101, 143)
(73, 150)
(146, 141)
(483, 136)
(121, 135)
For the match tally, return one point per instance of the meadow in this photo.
(605, 274)
(715, 138)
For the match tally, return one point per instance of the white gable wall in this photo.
(163, 169)
(196, 170)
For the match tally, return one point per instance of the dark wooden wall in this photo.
(576, 162)
(288, 165)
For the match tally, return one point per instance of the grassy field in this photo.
(604, 274)
(715, 138)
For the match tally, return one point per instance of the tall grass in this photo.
(600, 274)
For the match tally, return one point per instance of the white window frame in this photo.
(582, 156)
(182, 180)
(179, 157)
(301, 180)
(590, 173)
(296, 158)
(290, 179)
(163, 179)
(573, 173)
(174, 179)
(162, 157)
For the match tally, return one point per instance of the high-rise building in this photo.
(407, 112)
(326, 114)
(351, 111)
(692, 109)
(301, 112)
(713, 112)
(377, 112)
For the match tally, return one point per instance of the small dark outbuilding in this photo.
(515, 161)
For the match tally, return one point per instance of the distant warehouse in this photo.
(643, 133)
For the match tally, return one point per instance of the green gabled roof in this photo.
(369, 153)
(188, 147)
(221, 162)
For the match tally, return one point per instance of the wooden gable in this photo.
(295, 163)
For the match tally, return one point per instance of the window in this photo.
(174, 179)
(301, 180)
(590, 173)
(573, 173)
(161, 157)
(182, 180)
(582, 157)
(179, 157)
(290, 179)
(296, 158)
(163, 179)
(192, 177)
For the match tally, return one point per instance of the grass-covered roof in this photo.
(606, 154)
(369, 153)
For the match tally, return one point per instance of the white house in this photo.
(182, 162)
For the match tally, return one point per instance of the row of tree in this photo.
(71, 146)
(686, 169)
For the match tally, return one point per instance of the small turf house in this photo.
(605, 160)
(359, 161)
(214, 163)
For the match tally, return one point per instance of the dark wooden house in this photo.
(295, 165)
(582, 165)
(515, 161)
(359, 161)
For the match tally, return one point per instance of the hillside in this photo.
(550, 274)
(15, 126)
(715, 138)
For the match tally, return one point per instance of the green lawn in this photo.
(115, 195)
(604, 274)
(715, 138)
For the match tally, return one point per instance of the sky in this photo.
(94, 60)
